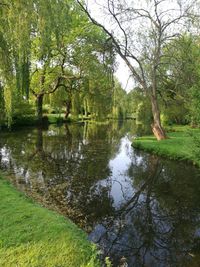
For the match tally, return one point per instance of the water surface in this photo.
(139, 208)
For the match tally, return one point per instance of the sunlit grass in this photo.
(178, 146)
(31, 235)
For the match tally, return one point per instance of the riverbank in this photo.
(31, 120)
(34, 236)
(179, 146)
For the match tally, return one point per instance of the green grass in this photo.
(55, 118)
(31, 235)
(179, 145)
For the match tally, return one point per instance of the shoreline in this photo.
(32, 235)
(179, 146)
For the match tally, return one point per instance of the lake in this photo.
(140, 209)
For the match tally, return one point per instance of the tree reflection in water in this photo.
(132, 204)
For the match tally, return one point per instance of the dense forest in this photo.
(58, 63)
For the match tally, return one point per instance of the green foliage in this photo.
(174, 113)
(194, 105)
(195, 144)
(2, 107)
(55, 118)
(63, 56)
(33, 236)
(108, 263)
(119, 110)
(23, 107)
(8, 99)
(180, 81)
(143, 113)
(57, 51)
(24, 120)
(75, 105)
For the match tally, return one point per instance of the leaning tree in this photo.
(139, 31)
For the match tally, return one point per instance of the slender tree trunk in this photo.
(39, 104)
(85, 107)
(68, 108)
(156, 126)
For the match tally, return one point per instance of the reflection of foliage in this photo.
(68, 169)
(195, 144)
(158, 224)
(63, 165)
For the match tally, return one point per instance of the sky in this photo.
(122, 72)
(123, 75)
(168, 9)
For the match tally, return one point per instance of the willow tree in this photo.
(64, 45)
(139, 30)
(50, 40)
(91, 54)
(15, 51)
(97, 88)
(35, 42)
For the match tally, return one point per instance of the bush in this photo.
(25, 120)
(23, 108)
(195, 144)
(55, 118)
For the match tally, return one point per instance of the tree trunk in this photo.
(68, 108)
(39, 104)
(156, 126)
(85, 108)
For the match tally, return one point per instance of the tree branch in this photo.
(140, 79)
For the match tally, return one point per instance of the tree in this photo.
(183, 79)
(59, 48)
(120, 101)
(140, 32)
(51, 48)
(15, 51)
(93, 55)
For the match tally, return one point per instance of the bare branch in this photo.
(118, 48)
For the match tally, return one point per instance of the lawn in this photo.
(31, 235)
(180, 144)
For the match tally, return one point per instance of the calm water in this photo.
(132, 204)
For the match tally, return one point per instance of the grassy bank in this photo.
(31, 120)
(180, 144)
(31, 235)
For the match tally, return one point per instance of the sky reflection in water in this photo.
(131, 203)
